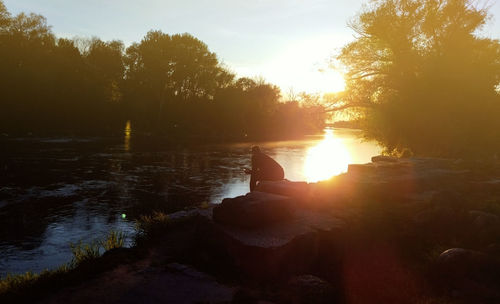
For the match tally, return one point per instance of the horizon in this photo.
(288, 43)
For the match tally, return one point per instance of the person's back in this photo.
(267, 168)
(264, 168)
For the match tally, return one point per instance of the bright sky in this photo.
(288, 42)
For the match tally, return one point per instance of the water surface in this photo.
(54, 191)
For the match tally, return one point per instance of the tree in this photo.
(106, 68)
(163, 71)
(4, 17)
(422, 78)
(26, 48)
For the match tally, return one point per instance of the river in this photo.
(54, 191)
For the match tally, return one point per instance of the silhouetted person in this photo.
(264, 168)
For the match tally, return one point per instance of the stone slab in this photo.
(297, 190)
(303, 222)
(254, 209)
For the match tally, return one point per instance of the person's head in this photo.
(255, 149)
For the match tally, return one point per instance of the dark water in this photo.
(57, 191)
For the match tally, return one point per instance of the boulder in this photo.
(255, 209)
(469, 273)
(275, 252)
(297, 190)
(483, 219)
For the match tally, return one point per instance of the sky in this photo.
(287, 42)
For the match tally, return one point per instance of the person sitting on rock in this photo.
(264, 168)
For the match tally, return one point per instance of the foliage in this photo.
(422, 78)
(47, 84)
(165, 84)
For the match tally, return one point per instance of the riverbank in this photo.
(392, 231)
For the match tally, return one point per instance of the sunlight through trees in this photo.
(423, 78)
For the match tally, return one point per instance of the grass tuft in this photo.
(115, 239)
(82, 253)
(149, 225)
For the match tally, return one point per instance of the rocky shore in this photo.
(392, 231)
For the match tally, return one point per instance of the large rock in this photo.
(273, 252)
(297, 190)
(470, 274)
(483, 219)
(254, 209)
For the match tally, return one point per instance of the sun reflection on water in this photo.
(328, 158)
(128, 131)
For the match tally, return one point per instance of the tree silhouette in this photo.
(166, 84)
(422, 78)
(164, 70)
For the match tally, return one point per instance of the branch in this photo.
(367, 75)
(351, 105)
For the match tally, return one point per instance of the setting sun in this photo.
(329, 81)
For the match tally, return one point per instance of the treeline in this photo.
(165, 84)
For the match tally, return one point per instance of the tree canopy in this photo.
(164, 84)
(423, 78)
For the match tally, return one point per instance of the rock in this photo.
(254, 209)
(473, 273)
(296, 190)
(310, 289)
(483, 219)
(484, 228)
(185, 215)
(448, 198)
(384, 158)
(460, 260)
(360, 169)
(275, 252)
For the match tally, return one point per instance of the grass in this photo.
(12, 286)
(84, 252)
(150, 225)
(114, 239)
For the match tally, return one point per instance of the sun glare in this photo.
(328, 158)
(303, 67)
(330, 81)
